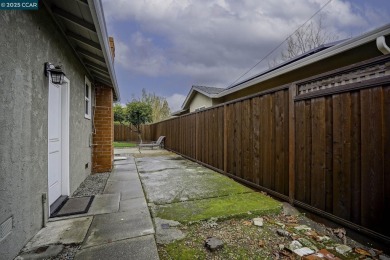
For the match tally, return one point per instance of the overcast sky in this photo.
(166, 46)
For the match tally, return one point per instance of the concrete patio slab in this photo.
(105, 203)
(127, 162)
(133, 194)
(139, 248)
(188, 184)
(132, 205)
(108, 228)
(130, 168)
(222, 208)
(113, 187)
(69, 231)
(128, 150)
(123, 176)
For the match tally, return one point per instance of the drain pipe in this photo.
(381, 45)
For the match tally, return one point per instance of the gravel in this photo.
(68, 253)
(92, 185)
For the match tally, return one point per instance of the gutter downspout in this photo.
(382, 46)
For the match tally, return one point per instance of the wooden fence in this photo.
(124, 133)
(322, 143)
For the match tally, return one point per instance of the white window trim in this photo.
(89, 99)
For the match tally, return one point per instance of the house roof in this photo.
(281, 65)
(82, 23)
(210, 92)
(309, 58)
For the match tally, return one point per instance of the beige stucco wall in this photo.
(200, 100)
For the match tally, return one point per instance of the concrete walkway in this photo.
(117, 226)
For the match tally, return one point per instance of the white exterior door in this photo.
(55, 142)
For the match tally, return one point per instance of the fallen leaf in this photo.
(261, 243)
(292, 219)
(340, 233)
(362, 251)
(311, 233)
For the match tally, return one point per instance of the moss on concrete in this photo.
(221, 207)
(168, 183)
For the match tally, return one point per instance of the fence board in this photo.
(281, 142)
(256, 139)
(329, 154)
(342, 155)
(237, 134)
(386, 152)
(372, 163)
(355, 157)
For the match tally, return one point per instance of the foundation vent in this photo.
(5, 228)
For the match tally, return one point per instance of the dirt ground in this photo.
(244, 240)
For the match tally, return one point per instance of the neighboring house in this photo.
(52, 134)
(319, 60)
(199, 97)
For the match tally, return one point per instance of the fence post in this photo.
(225, 140)
(196, 135)
(292, 91)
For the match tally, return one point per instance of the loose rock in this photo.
(302, 227)
(343, 249)
(295, 245)
(307, 243)
(303, 251)
(280, 224)
(213, 243)
(283, 233)
(258, 222)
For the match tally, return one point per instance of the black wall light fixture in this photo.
(57, 75)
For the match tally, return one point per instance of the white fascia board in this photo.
(342, 47)
(101, 30)
(187, 98)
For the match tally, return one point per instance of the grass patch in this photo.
(222, 207)
(124, 144)
(179, 250)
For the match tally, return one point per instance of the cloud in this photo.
(175, 101)
(140, 55)
(212, 42)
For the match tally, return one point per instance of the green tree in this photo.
(159, 105)
(138, 113)
(135, 114)
(119, 113)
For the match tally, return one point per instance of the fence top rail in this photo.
(262, 93)
(376, 82)
(350, 68)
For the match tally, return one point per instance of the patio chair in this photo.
(158, 143)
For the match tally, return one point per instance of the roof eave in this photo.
(100, 25)
(190, 94)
